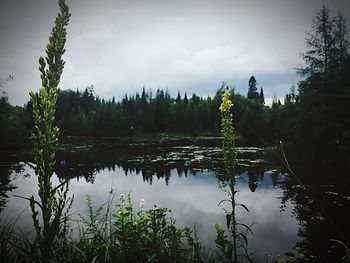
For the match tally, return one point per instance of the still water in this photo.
(181, 178)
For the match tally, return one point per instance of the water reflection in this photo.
(154, 162)
(7, 171)
(182, 179)
(322, 212)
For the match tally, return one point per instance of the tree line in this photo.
(84, 113)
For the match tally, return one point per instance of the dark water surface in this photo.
(182, 177)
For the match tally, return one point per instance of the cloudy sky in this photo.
(119, 46)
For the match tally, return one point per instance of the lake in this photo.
(182, 175)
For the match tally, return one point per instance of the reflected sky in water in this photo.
(193, 200)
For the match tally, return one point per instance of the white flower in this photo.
(142, 204)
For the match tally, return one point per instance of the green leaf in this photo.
(228, 220)
(247, 227)
(242, 205)
(244, 238)
(219, 228)
(29, 199)
(225, 200)
(289, 254)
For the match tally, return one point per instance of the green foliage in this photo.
(321, 106)
(319, 44)
(87, 115)
(261, 96)
(6, 236)
(81, 115)
(107, 235)
(127, 235)
(14, 127)
(253, 90)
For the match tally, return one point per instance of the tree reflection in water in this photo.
(152, 163)
(322, 208)
(6, 186)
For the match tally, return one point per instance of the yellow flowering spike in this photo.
(226, 103)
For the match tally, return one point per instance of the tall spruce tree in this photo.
(323, 93)
(341, 42)
(252, 89)
(319, 44)
(178, 98)
(261, 96)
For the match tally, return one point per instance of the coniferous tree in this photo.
(341, 42)
(252, 89)
(185, 98)
(323, 92)
(178, 98)
(143, 103)
(319, 45)
(261, 96)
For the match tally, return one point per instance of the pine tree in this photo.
(341, 42)
(261, 96)
(185, 98)
(143, 103)
(319, 45)
(323, 92)
(252, 89)
(143, 95)
(178, 98)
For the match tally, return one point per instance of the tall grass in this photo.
(6, 237)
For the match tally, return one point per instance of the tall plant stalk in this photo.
(236, 239)
(53, 199)
(230, 154)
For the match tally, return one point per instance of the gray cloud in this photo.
(193, 46)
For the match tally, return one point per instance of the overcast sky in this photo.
(119, 46)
